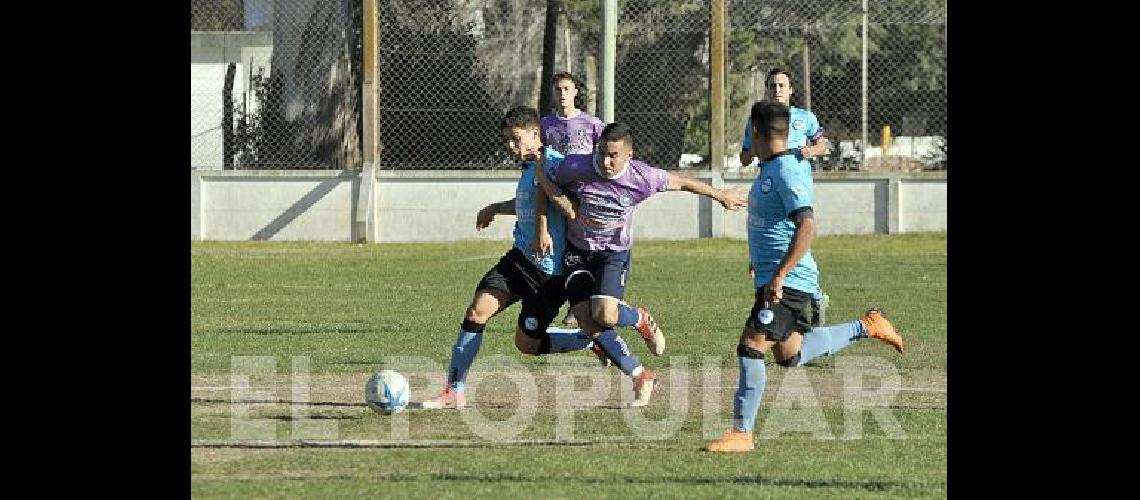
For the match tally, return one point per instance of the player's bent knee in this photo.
(605, 314)
(790, 362)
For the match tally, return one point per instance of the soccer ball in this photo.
(387, 392)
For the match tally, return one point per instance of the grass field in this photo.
(336, 312)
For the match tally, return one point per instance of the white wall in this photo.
(311, 205)
(922, 205)
(206, 86)
(210, 53)
(441, 206)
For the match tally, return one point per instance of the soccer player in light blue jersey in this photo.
(517, 276)
(805, 136)
(570, 130)
(781, 227)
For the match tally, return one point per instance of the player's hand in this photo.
(822, 143)
(732, 199)
(825, 146)
(543, 245)
(774, 290)
(751, 271)
(484, 218)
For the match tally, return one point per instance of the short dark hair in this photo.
(520, 117)
(565, 76)
(617, 132)
(771, 118)
(776, 71)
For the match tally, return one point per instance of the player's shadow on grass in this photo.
(756, 480)
(272, 401)
(292, 330)
(290, 418)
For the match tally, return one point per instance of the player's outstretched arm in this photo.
(804, 218)
(488, 213)
(730, 199)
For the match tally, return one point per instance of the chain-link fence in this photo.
(820, 44)
(275, 84)
(448, 72)
(662, 78)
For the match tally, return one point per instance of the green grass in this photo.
(348, 307)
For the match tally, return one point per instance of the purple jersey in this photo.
(572, 136)
(605, 212)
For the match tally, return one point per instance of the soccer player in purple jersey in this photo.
(570, 130)
(609, 185)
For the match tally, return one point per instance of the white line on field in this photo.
(477, 257)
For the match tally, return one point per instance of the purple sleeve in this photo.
(598, 127)
(658, 179)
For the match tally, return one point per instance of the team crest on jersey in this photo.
(625, 200)
(766, 185)
(798, 124)
(765, 316)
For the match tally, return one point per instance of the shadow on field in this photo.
(271, 401)
(764, 481)
(294, 330)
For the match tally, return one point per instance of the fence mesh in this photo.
(448, 71)
(277, 83)
(820, 44)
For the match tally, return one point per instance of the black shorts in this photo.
(541, 295)
(606, 271)
(514, 274)
(792, 314)
(540, 309)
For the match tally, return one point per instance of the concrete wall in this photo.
(273, 205)
(441, 206)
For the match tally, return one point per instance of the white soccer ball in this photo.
(387, 392)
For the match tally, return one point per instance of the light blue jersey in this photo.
(783, 186)
(524, 209)
(802, 126)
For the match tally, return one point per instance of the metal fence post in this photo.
(863, 151)
(716, 87)
(609, 58)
